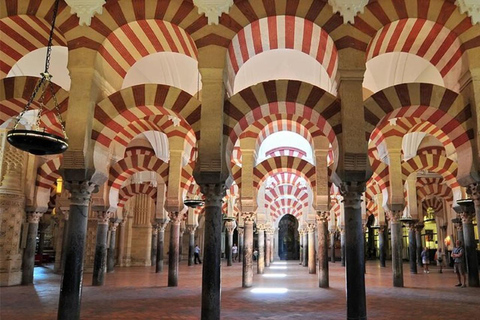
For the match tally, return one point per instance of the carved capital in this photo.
(80, 192)
(176, 217)
(214, 193)
(311, 227)
(34, 217)
(230, 226)
(322, 216)
(191, 229)
(103, 216)
(394, 216)
(352, 194)
(114, 226)
(467, 217)
(162, 226)
(474, 191)
(240, 231)
(248, 217)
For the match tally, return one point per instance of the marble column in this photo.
(100, 262)
(459, 227)
(211, 273)
(354, 250)
(41, 240)
(261, 249)
(305, 247)
(230, 225)
(397, 245)
(174, 248)
(332, 245)
(191, 244)
(311, 248)
(247, 275)
(474, 191)
(121, 247)
(153, 250)
(471, 259)
(418, 242)
(240, 231)
(322, 227)
(412, 247)
(300, 235)
(112, 247)
(342, 245)
(382, 233)
(268, 246)
(28, 260)
(60, 241)
(180, 241)
(161, 242)
(71, 286)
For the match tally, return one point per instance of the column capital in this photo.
(176, 217)
(474, 191)
(114, 226)
(412, 226)
(191, 229)
(322, 216)
(270, 230)
(467, 217)
(240, 231)
(311, 227)
(352, 194)
(213, 192)
(261, 227)
(103, 216)
(394, 215)
(162, 225)
(248, 217)
(230, 225)
(81, 192)
(34, 217)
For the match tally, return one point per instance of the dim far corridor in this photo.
(284, 291)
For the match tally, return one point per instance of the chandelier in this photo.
(40, 140)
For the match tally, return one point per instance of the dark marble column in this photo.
(240, 231)
(247, 275)
(41, 240)
(342, 245)
(121, 246)
(459, 227)
(418, 242)
(71, 286)
(191, 244)
(471, 260)
(300, 235)
(311, 249)
(397, 245)
(332, 245)
(354, 250)
(28, 259)
(305, 247)
(211, 277)
(180, 241)
(474, 191)
(112, 248)
(100, 259)
(382, 233)
(322, 229)
(162, 224)
(174, 248)
(230, 225)
(153, 250)
(412, 247)
(268, 246)
(261, 249)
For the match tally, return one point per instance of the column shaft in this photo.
(305, 248)
(311, 249)
(397, 244)
(174, 250)
(28, 258)
(247, 276)
(240, 243)
(342, 246)
(332, 246)
(100, 262)
(381, 244)
(111, 249)
(261, 250)
(323, 281)
(268, 248)
(418, 242)
(471, 259)
(153, 251)
(191, 247)
(160, 244)
(412, 249)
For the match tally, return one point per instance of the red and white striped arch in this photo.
(137, 39)
(438, 164)
(272, 193)
(278, 214)
(426, 39)
(22, 34)
(46, 181)
(432, 150)
(282, 32)
(133, 189)
(427, 187)
(439, 106)
(279, 125)
(287, 178)
(285, 202)
(288, 97)
(381, 174)
(275, 165)
(435, 203)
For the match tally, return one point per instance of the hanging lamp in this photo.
(37, 140)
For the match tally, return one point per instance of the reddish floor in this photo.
(139, 293)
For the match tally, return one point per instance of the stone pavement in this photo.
(286, 291)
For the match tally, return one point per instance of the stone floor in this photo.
(139, 293)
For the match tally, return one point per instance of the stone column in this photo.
(153, 252)
(41, 239)
(268, 247)
(300, 235)
(322, 227)
(311, 248)
(354, 250)
(191, 244)
(305, 247)
(174, 248)
(470, 249)
(211, 278)
(240, 231)
(261, 249)
(180, 241)
(112, 247)
(381, 244)
(161, 242)
(342, 245)
(60, 242)
(230, 225)
(418, 242)
(412, 247)
(29, 252)
(397, 245)
(457, 222)
(100, 262)
(121, 248)
(71, 286)
(474, 191)
(332, 245)
(247, 275)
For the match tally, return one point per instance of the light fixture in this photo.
(37, 140)
(193, 203)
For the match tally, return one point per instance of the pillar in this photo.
(342, 245)
(161, 242)
(153, 250)
(412, 247)
(174, 248)
(300, 234)
(332, 245)
(121, 249)
(474, 191)
(459, 227)
(418, 242)
(71, 286)
(180, 240)
(311, 248)
(112, 247)
(230, 225)
(268, 247)
(240, 231)
(211, 288)
(470, 245)
(305, 247)
(322, 227)
(381, 244)
(397, 245)
(41, 239)
(28, 260)
(191, 244)
(261, 249)
(247, 274)
(100, 262)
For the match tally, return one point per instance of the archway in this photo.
(288, 238)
